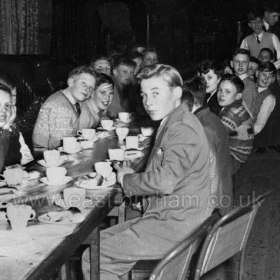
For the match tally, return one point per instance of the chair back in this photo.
(228, 236)
(175, 264)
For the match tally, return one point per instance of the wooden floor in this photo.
(262, 262)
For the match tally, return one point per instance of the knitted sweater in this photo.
(57, 119)
(237, 121)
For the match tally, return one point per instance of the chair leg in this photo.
(94, 250)
(241, 264)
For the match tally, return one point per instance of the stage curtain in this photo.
(19, 26)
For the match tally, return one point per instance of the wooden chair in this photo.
(176, 263)
(228, 237)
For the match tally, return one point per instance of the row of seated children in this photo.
(258, 95)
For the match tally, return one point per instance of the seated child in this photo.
(212, 72)
(265, 104)
(236, 119)
(253, 67)
(266, 55)
(266, 100)
(240, 63)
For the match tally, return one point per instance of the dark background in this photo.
(71, 32)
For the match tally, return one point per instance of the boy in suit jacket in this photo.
(176, 181)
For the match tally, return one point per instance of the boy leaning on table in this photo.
(175, 179)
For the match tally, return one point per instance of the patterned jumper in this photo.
(57, 119)
(237, 121)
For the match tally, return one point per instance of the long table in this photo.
(40, 196)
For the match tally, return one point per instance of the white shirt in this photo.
(276, 46)
(26, 155)
(266, 25)
(243, 76)
(265, 111)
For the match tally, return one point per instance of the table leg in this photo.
(94, 250)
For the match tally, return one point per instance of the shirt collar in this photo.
(261, 89)
(260, 35)
(266, 25)
(243, 76)
(69, 96)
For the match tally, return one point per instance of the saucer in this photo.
(66, 180)
(44, 163)
(72, 152)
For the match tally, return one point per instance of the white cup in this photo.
(124, 117)
(19, 215)
(51, 157)
(56, 175)
(131, 142)
(107, 124)
(116, 154)
(86, 144)
(103, 168)
(74, 197)
(13, 176)
(122, 132)
(87, 133)
(147, 131)
(70, 144)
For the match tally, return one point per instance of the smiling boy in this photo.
(59, 115)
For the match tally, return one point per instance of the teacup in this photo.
(74, 197)
(131, 142)
(124, 117)
(107, 124)
(122, 132)
(51, 157)
(19, 215)
(87, 133)
(116, 154)
(70, 145)
(103, 168)
(13, 176)
(147, 131)
(56, 175)
(86, 144)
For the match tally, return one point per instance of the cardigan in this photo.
(57, 119)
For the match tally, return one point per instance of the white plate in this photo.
(66, 180)
(90, 184)
(48, 231)
(43, 163)
(61, 218)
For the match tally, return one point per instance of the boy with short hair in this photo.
(266, 55)
(240, 63)
(236, 119)
(260, 38)
(253, 67)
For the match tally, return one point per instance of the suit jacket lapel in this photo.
(157, 143)
(162, 132)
